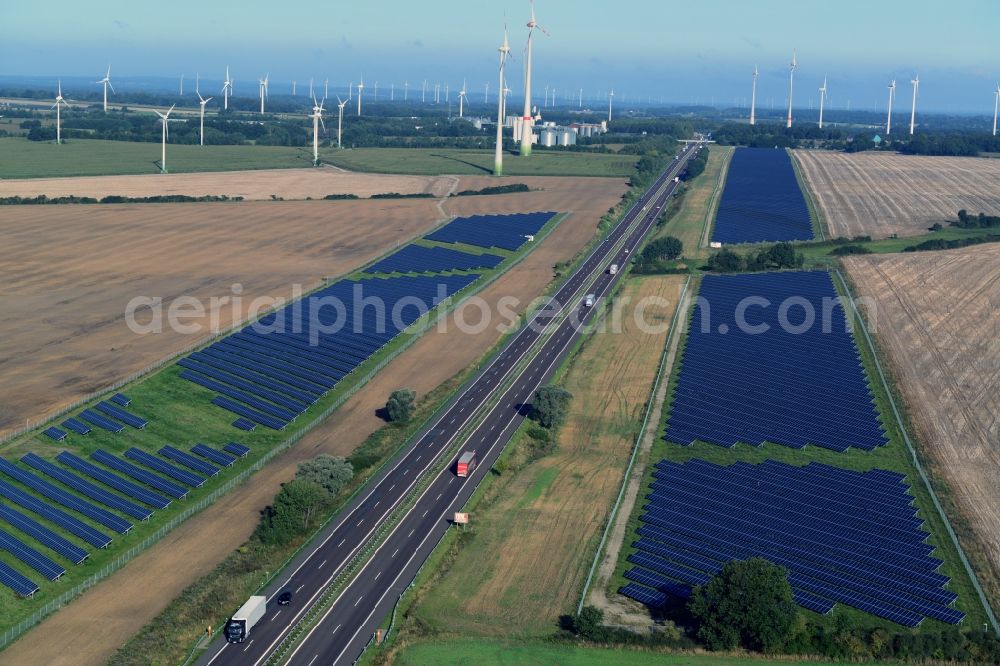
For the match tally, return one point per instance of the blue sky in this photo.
(698, 50)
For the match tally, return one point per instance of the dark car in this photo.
(285, 598)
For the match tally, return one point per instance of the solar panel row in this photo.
(237, 449)
(76, 426)
(16, 581)
(86, 487)
(422, 259)
(64, 520)
(116, 412)
(140, 474)
(30, 556)
(761, 200)
(213, 455)
(133, 490)
(55, 433)
(188, 460)
(838, 533)
(43, 534)
(504, 231)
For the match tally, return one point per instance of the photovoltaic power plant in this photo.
(272, 371)
(761, 200)
(421, 259)
(843, 536)
(508, 232)
(768, 358)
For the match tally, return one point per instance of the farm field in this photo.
(936, 316)
(534, 538)
(499, 653)
(881, 194)
(121, 605)
(698, 207)
(434, 161)
(20, 158)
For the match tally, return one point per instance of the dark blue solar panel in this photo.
(125, 486)
(43, 534)
(30, 556)
(76, 426)
(120, 399)
(174, 472)
(140, 474)
(116, 412)
(52, 514)
(504, 231)
(421, 259)
(103, 422)
(763, 373)
(643, 594)
(213, 455)
(823, 524)
(87, 488)
(761, 200)
(244, 424)
(16, 581)
(237, 449)
(55, 433)
(188, 460)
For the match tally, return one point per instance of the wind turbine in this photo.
(107, 82)
(526, 117)
(392, 92)
(375, 94)
(182, 84)
(423, 93)
(996, 106)
(317, 117)
(791, 87)
(203, 102)
(293, 87)
(350, 91)
(406, 91)
(498, 156)
(913, 109)
(888, 118)
(580, 105)
(545, 102)
(60, 100)
(164, 120)
(822, 98)
(486, 95)
(340, 119)
(461, 100)
(611, 96)
(227, 90)
(263, 91)
(326, 89)
(753, 96)
(361, 86)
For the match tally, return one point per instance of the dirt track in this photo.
(879, 194)
(938, 316)
(251, 185)
(111, 612)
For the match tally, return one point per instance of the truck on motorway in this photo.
(613, 269)
(249, 614)
(588, 300)
(677, 179)
(466, 463)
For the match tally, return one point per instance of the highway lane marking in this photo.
(299, 588)
(376, 504)
(341, 542)
(395, 552)
(376, 576)
(451, 480)
(359, 600)
(248, 645)
(312, 660)
(435, 499)
(419, 457)
(392, 486)
(425, 514)
(411, 532)
(275, 616)
(360, 521)
(337, 629)
(321, 564)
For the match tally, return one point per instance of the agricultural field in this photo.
(20, 158)
(935, 316)
(880, 194)
(698, 207)
(535, 535)
(435, 161)
(130, 598)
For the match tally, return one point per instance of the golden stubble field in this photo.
(879, 194)
(938, 318)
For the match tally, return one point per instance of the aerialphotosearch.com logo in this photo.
(323, 314)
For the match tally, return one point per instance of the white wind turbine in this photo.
(107, 82)
(182, 85)
(164, 120)
(227, 90)
(888, 118)
(60, 101)
(791, 87)
(913, 109)
(498, 156)
(461, 100)
(423, 92)
(822, 98)
(526, 118)
(375, 92)
(753, 97)
(486, 95)
(580, 105)
(263, 90)
(340, 120)
(202, 102)
(361, 87)
(317, 118)
(611, 96)
(326, 89)
(392, 92)
(996, 106)
(406, 91)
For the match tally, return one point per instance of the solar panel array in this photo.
(844, 536)
(421, 259)
(272, 371)
(55, 433)
(504, 231)
(784, 385)
(761, 200)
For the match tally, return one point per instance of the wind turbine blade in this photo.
(112, 87)
(209, 100)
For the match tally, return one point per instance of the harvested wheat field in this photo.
(937, 316)
(114, 610)
(868, 194)
(537, 529)
(251, 185)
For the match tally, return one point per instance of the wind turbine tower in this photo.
(611, 96)
(580, 105)
(60, 101)
(263, 91)
(107, 83)
(340, 120)
(406, 91)
(526, 118)
(913, 109)
(182, 84)
(361, 86)
(317, 118)
(202, 102)
(996, 106)
(461, 100)
(227, 90)
(498, 156)
(164, 120)
(888, 118)
(791, 87)
(753, 96)
(822, 98)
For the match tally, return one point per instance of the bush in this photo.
(550, 406)
(726, 261)
(497, 189)
(400, 405)
(292, 513)
(668, 248)
(850, 249)
(329, 472)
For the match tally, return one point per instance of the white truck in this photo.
(588, 300)
(249, 614)
(613, 269)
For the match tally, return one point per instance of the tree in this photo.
(589, 623)
(726, 261)
(668, 248)
(749, 604)
(550, 406)
(329, 472)
(292, 513)
(400, 405)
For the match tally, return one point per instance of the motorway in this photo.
(347, 626)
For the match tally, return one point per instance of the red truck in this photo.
(466, 463)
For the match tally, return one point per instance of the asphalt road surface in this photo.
(347, 626)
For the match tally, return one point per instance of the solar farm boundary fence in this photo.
(650, 404)
(12, 633)
(713, 202)
(814, 212)
(913, 455)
